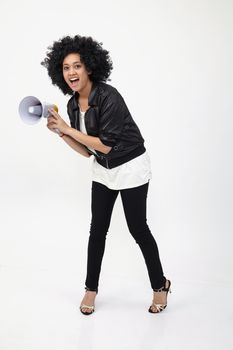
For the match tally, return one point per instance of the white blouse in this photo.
(133, 173)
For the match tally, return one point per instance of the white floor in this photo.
(43, 241)
(39, 310)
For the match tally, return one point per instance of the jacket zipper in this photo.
(107, 163)
(102, 157)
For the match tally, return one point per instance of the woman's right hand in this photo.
(50, 126)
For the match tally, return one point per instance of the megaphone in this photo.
(31, 110)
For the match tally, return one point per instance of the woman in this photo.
(102, 126)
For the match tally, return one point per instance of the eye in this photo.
(65, 68)
(77, 66)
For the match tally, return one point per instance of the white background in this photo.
(173, 66)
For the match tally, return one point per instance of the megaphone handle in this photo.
(57, 131)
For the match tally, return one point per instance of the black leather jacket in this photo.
(109, 119)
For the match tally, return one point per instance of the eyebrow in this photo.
(66, 64)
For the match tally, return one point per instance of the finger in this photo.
(54, 113)
(52, 127)
(51, 124)
(50, 119)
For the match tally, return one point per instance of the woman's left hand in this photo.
(56, 122)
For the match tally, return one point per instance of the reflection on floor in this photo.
(40, 310)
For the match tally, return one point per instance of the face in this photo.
(75, 73)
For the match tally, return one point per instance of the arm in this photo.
(75, 145)
(56, 122)
(87, 140)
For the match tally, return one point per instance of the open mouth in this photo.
(74, 81)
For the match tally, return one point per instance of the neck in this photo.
(86, 91)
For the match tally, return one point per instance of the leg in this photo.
(103, 200)
(134, 204)
(102, 203)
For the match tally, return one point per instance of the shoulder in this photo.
(105, 87)
(107, 91)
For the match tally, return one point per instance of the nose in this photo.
(71, 71)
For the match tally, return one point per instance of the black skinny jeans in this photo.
(134, 204)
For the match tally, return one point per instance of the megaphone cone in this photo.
(31, 109)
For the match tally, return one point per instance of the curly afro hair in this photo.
(92, 55)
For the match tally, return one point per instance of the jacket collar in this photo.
(92, 98)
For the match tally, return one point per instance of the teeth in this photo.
(74, 79)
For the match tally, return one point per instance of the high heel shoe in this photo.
(160, 307)
(90, 307)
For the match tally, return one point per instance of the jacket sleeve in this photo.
(70, 113)
(111, 119)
